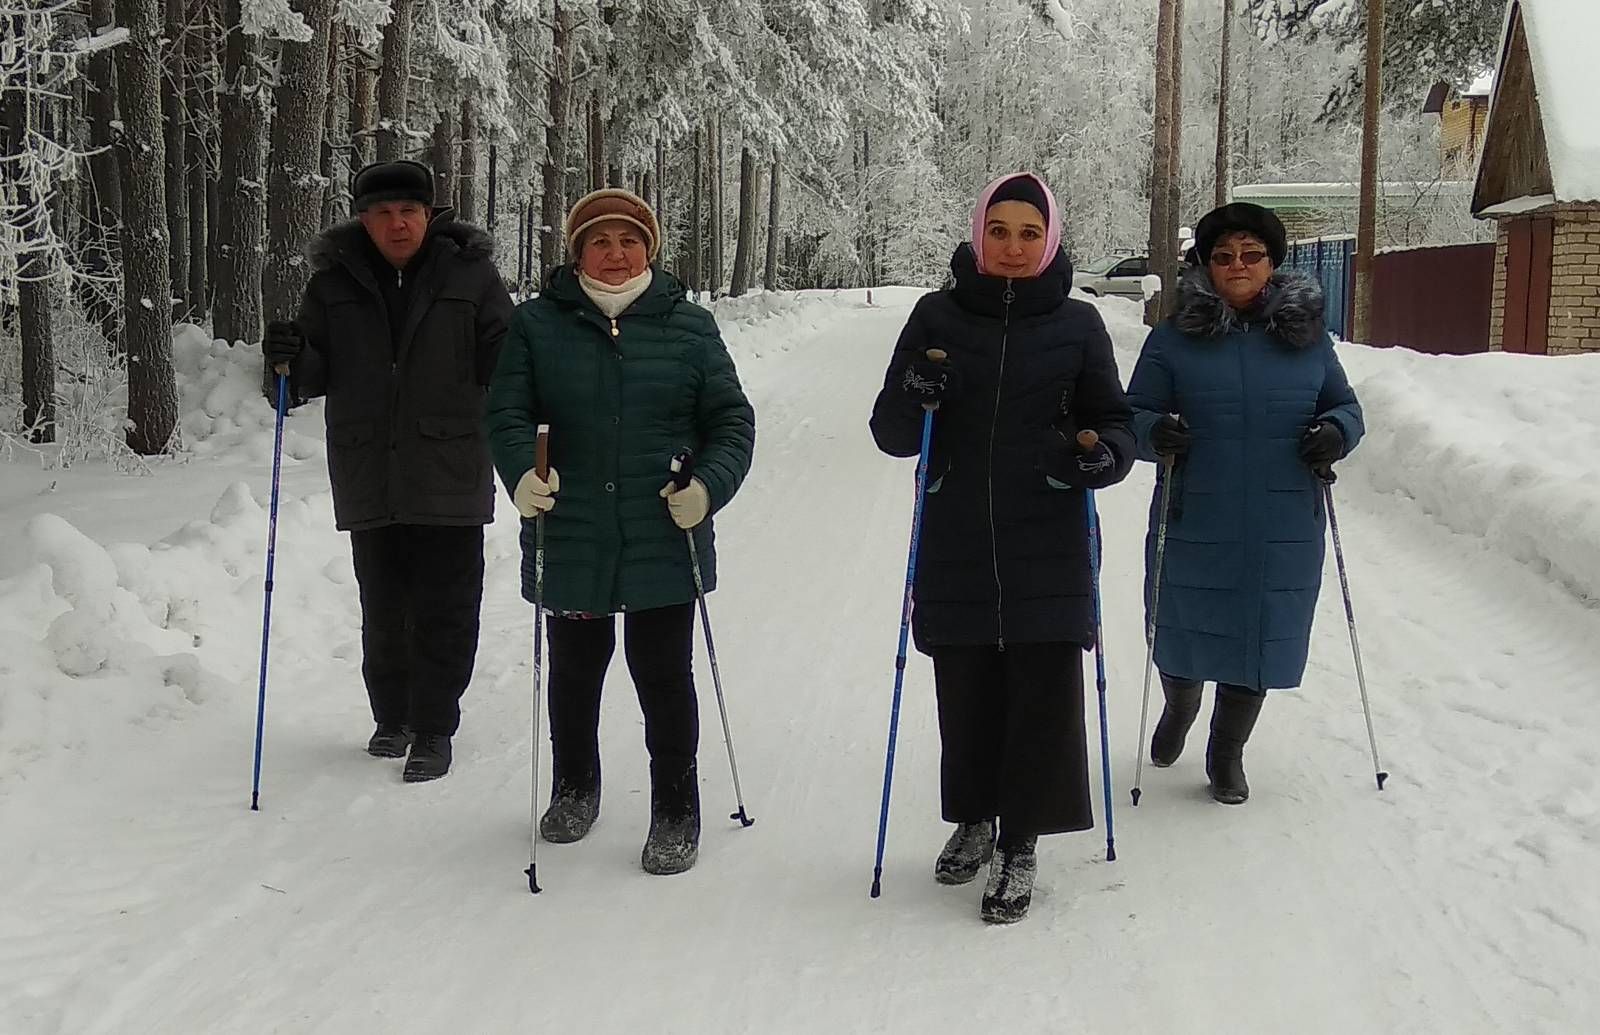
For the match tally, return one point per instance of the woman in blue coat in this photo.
(1243, 392)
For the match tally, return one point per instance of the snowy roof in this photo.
(1341, 191)
(1561, 41)
(1482, 86)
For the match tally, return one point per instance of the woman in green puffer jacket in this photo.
(627, 372)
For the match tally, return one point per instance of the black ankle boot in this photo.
(1183, 707)
(673, 844)
(574, 806)
(969, 847)
(1232, 721)
(1010, 890)
(389, 741)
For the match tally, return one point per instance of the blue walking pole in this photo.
(1096, 553)
(905, 630)
(266, 611)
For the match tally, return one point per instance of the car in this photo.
(1121, 276)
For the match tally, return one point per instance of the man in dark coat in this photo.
(400, 328)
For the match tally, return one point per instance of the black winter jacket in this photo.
(1004, 555)
(407, 441)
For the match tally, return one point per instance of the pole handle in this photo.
(541, 453)
(938, 355)
(682, 468)
(1088, 438)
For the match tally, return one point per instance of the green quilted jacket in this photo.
(621, 398)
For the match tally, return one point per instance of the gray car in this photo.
(1121, 276)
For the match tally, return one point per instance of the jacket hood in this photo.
(1291, 307)
(349, 239)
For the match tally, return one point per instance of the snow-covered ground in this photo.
(139, 894)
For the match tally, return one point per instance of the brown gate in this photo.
(1529, 255)
(1435, 300)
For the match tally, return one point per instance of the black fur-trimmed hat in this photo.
(404, 180)
(1241, 217)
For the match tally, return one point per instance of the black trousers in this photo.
(1011, 723)
(421, 588)
(659, 648)
(1180, 682)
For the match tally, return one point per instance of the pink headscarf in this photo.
(1052, 240)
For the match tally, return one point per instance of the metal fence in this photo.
(1332, 260)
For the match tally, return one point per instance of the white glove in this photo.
(689, 505)
(534, 495)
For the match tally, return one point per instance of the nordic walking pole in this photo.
(1088, 440)
(282, 370)
(938, 356)
(682, 472)
(1169, 465)
(541, 465)
(1327, 478)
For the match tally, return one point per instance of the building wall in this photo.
(1575, 281)
(1497, 313)
(1462, 125)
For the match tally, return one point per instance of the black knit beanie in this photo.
(1241, 217)
(404, 180)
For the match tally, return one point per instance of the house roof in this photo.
(1566, 78)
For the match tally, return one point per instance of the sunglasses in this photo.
(1225, 259)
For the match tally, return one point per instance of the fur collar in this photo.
(346, 241)
(1291, 309)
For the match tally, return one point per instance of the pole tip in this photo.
(877, 881)
(744, 820)
(1382, 777)
(1136, 793)
(1111, 852)
(533, 879)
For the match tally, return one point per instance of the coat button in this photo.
(611, 486)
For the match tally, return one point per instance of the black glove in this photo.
(1064, 460)
(283, 342)
(1322, 444)
(928, 381)
(1170, 436)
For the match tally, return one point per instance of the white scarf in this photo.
(613, 300)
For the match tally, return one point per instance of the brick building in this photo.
(1463, 119)
(1540, 180)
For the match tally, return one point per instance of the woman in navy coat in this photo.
(1243, 391)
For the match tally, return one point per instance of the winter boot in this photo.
(1010, 889)
(1232, 720)
(673, 844)
(430, 758)
(389, 741)
(1183, 707)
(574, 806)
(964, 854)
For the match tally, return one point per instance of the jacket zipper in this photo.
(994, 424)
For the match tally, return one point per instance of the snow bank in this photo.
(1501, 447)
(223, 410)
(96, 638)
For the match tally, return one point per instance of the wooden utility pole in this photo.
(1224, 91)
(1367, 223)
(1160, 156)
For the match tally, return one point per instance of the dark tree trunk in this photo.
(716, 205)
(1161, 160)
(697, 233)
(105, 210)
(660, 190)
(770, 281)
(444, 160)
(241, 193)
(393, 83)
(597, 147)
(363, 104)
(555, 142)
(172, 105)
(295, 183)
(198, 170)
(494, 183)
(147, 282)
(34, 275)
(1172, 258)
(749, 215)
(467, 183)
(331, 208)
(1224, 91)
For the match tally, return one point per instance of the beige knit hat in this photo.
(612, 203)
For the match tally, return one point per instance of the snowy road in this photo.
(138, 894)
